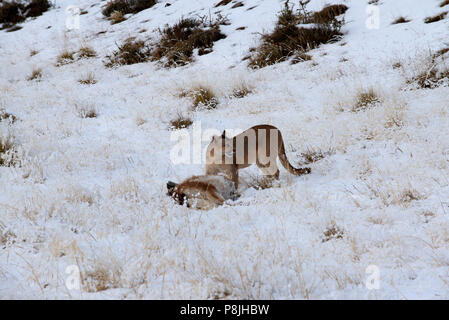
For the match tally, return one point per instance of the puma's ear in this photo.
(223, 135)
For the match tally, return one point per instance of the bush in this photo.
(444, 3)
(12, 12)
(127, 6)
(130, 52)
(328, 13)
(287, 39)
(180, 122)
(202, 97)
(177, 42)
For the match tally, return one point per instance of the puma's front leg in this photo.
(235, 177)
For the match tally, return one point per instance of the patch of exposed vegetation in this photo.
(365, 100)
(13, 12)
(130, 52)
(8, 153)
(126, 6)
(178, 42)
(436, 18)
(400, 20)
(36, 74)
(332, 232)
(88, 79)
(289, 39)
(180, 122)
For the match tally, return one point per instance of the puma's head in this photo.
(219, 146)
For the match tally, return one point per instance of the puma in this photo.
(202, 192)
(260, 145)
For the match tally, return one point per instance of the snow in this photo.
(91, 191)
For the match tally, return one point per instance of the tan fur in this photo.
(202, 192)
(228, 164)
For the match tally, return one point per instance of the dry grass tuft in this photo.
(33, 53)
(86, 111)
(88, 79)
(102, 279)
(431, 78)
(126, 6)
(328, 13)
(444, 3)
(8, 153)
(6, 236)
(5, 116)
(86, 52)
(202, 97)
(436, 18)
(262, 182)
(180, 122)
(36, 74)
(365, 100)
(288, 39)
(301, 57)
(241, 91)
(130, 52)
(65, 57)
(400, 20)
(332, 232)
(177, 43)
(313, 155)
(116, 17)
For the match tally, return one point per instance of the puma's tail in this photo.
(287, 165)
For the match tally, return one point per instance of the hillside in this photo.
(86, 155)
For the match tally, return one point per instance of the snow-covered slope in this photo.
(90, 192)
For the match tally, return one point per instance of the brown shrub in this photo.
(203, 97)
(5, 116)
(177, 42)
(332, 232)
(444, 3)
(430, 79)
(12, 12)
(365, 100)
(7, 152)
(241, 91)
(36, 74)
(288, 39)
(130, 52)
(116, 17)
(65, 57)
(400, 20)
(86, 52)
(436, 18)
(127, 6)
(180, 122)
(328, 13)
(314, 155)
